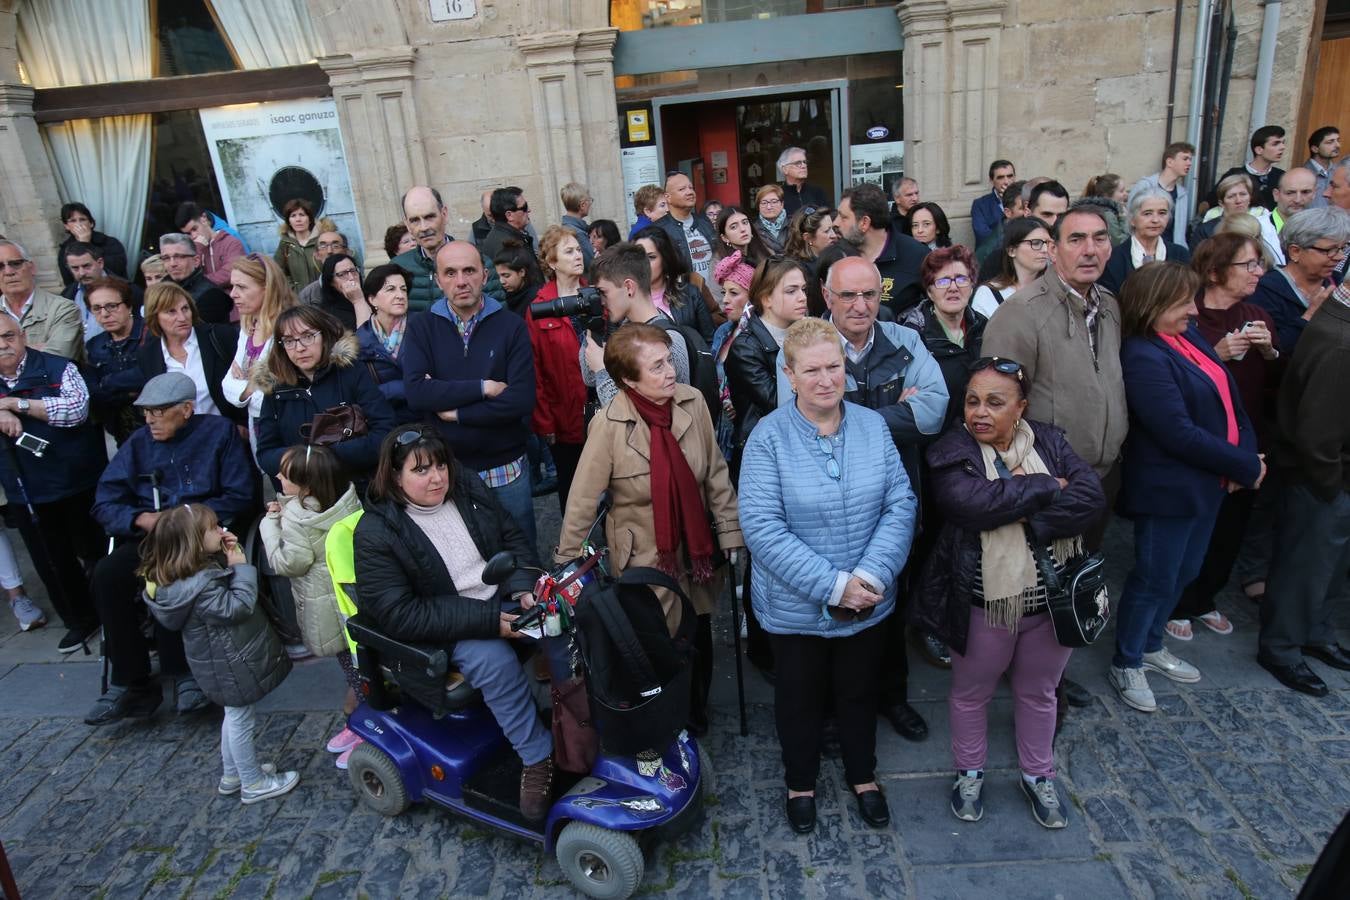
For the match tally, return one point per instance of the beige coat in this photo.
(294, 540)
(1042, 327)
(617, 457)
(53, 324)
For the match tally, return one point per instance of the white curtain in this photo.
(103, 163)
(64, 43)
(268, 34)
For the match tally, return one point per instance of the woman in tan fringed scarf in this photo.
(994, 474)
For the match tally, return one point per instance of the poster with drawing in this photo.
(266, 154)
(881, 164)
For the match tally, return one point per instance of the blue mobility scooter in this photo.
(428, 736)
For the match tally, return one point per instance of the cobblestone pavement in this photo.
(1230, 790)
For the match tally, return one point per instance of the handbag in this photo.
(575, 743)
(1076, 596)
(335, 425)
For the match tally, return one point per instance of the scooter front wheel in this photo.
(377, 781)
(599, 862)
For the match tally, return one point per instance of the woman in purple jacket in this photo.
(996, 477)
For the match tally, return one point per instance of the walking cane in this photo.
(736, 639)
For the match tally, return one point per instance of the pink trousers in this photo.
(1034, 661)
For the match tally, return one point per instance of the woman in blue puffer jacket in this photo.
(828, 514)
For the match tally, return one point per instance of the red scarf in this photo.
(677, 499)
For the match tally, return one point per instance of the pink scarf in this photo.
(1214, 371)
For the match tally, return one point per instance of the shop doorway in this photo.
(729, 142)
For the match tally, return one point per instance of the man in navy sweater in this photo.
(469, 369)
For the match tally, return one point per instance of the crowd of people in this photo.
(895, 439)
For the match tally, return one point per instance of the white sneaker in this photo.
(229, 784)
(1168, 666)
(27, 612)
(1132, 685)
(270, 786)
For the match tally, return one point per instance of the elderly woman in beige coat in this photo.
(653, 447)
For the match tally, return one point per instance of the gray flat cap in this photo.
(166, 390)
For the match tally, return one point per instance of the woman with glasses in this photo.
(184, 343)
(1191, 443)
(828, 515)
(381, 336)
(928, 225)
(1314, 243)
(1025, 254)
(1148, 213)
(260, 294)
(999, 483)
(653, 448)
(1243, 336)
(771, 224)
(951, 330)
(341, 293)
(810, 231)
(318, 370)
(430, 525)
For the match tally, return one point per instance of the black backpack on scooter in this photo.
(637, 674)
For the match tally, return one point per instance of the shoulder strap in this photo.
(651, 577)
(605, 603)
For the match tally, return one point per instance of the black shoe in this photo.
(125, 703)
(1074, 693)
(906, 721)
(829, 740)
(1298, 677)
(1333, 655)
(78, 637)
(188, 696)
(872, 807)
(801, 814)
(544, 486)
(934, 651)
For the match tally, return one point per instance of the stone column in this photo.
(951, 70)
(571, 77)
(30, 208)
(380, 134)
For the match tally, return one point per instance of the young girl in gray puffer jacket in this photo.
(196, 582)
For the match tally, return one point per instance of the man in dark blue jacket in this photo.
(177, 458)
(468, 368)
(987, 211)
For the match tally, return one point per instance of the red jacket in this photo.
(560, 394)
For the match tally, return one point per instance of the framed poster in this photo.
(265, 154)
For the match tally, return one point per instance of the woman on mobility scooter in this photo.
(420, 550)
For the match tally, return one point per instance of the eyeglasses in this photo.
(300, 340)
(411, 436)
(948, 280)
(99, 309)
(156, 412)
(808, 211)
(998, 364)
(331, 245)
(771, 199)
(1333, 252)
(826, 447)
(1036, 243)
(347, 273)
(1251, 265)
(15, 264)
(795, 162)
(525, 207)
(849, 296)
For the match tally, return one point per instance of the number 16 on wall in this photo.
(446, 10)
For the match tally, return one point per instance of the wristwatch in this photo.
(21, 405)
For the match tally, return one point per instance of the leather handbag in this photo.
(1076, 594)
(335, 425)
(575, 743)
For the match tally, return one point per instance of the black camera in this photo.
(586, 304)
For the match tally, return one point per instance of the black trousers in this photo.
(64, 542)
(813, 673)
(1224, 545)
(117, 596)
(701, 683)
(565, 459)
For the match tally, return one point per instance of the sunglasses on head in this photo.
(411, 436)
(998, 364)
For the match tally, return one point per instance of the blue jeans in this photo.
(518, 501)
(1168, 554)
(492, 667)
